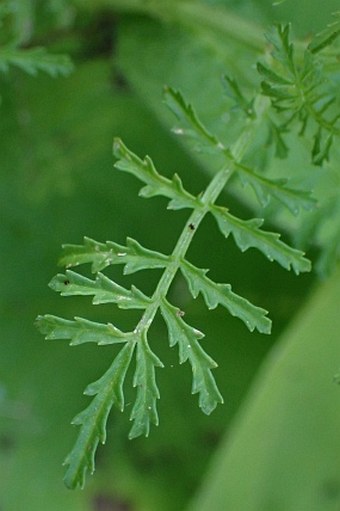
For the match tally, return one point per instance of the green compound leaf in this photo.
(190, 123)
(100, 255)
(265, 189)
(108, 391)
(80, 331)
(144, 411)
(103, 289)
(298, 89)
(247, 233)
(186, 337)
(156, 184)
(221, 294)
(33, 60)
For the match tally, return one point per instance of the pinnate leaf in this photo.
(103, 289)
(247, 233)
(221, 294)
(108, 391)
(144, 411)
(80, 331)
(134, 256)
(187, 337)
(299, 87)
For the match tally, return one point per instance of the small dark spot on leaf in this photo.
(110, 503)
(191, 227)
(66, 282)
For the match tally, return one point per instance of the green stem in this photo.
(208, 198)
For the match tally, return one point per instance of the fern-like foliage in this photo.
(15, 50)
(301, 82)
(32, 60)
(299, 90)
(247, 233)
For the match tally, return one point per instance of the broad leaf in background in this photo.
(283, 451)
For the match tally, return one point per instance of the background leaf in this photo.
(286, 433)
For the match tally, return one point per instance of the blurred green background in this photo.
(58, 184)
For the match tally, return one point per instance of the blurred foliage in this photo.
(57, 185)
(286, 436)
